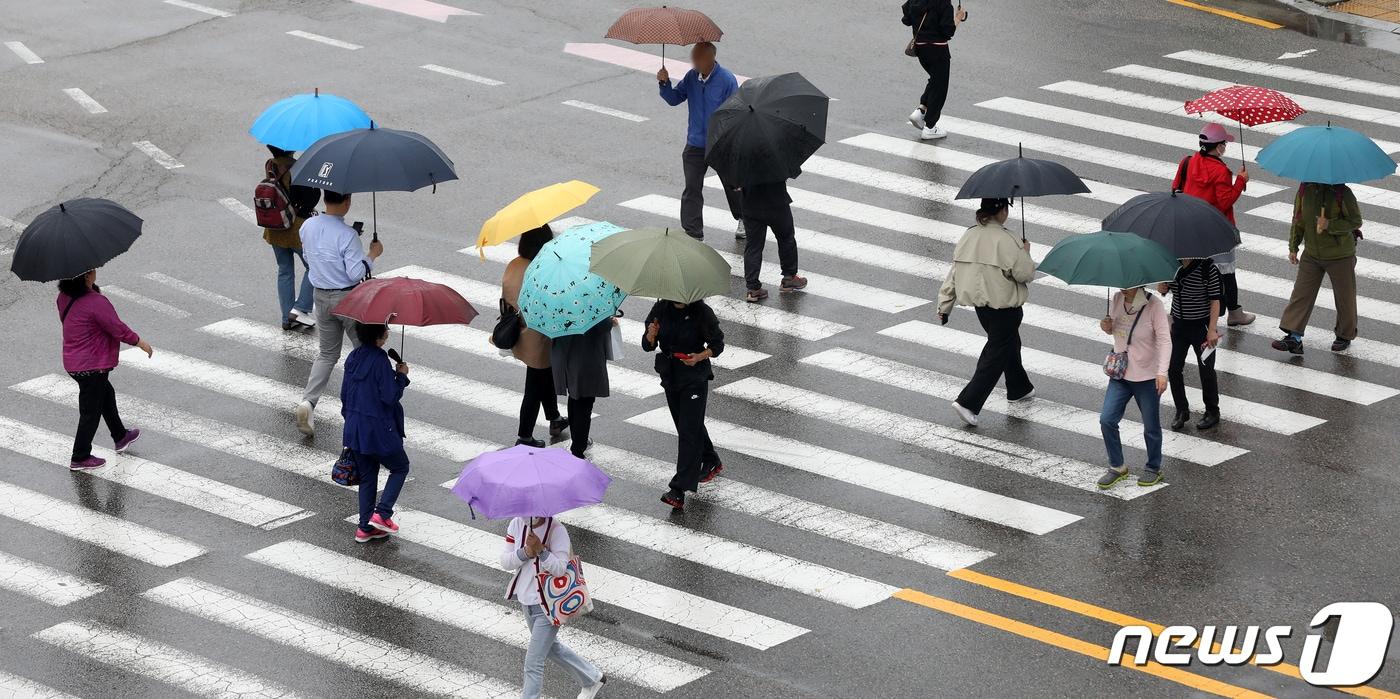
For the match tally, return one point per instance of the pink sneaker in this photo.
(364, 535)
(126, 440)
(383, 524)
(87, 464)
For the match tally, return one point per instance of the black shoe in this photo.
(1179, 421)
(675, 499)
(711, 473)
(1340, 345)
(1288, 344)
(1209, 420)
(557, 427)
(531, 442)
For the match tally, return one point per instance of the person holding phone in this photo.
(1196, 299)
(1139, 326)
(374, 427)
(688, 335)
(934, 22)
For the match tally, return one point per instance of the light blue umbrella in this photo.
(1327, 155)
(298, 121)
(559, 296)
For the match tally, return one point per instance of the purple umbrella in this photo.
(523, 481)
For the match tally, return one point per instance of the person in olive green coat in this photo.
(286, 245)
(1326, 224)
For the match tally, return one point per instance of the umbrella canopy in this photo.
(405, 301)
(1106, 258)
(558, 295)
(533, 210)
(298, 121)
(1021, 177)
(767, 129)
(661, 264)
(1326, 154)
(72, 238)
(523, 481)
(1247, 104)
(1187, 226)
(664, 25)
(373, 160)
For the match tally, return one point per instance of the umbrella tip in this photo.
(317, 91)
(61, 207)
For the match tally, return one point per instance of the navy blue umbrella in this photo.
(1187, 226)
(1021, 177)
(72, 238)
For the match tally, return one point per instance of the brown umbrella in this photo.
(664, 25)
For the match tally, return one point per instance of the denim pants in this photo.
(544, 644)
(287, 294)
(367, 466)
(1115, 401)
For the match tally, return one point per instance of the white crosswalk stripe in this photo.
(43, 583)
(102, 530)
(864, 295)
(23, 688)
(1293, 73)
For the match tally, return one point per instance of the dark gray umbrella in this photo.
(1189, 227)
(72, 238)
(767, 129)
(1021, 177)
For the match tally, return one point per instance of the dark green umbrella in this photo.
(660, 263)
(1106, 258)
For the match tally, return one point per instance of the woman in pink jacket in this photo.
(92, 334)
(1139, 326)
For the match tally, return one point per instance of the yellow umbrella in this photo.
(533, 210)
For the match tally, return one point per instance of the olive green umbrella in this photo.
(1106, 258)
(660, 263)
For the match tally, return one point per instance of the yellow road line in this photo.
(1069, 643)
(1120, 619)
(1226, 13)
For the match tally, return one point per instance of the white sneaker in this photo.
(306, 418)
(966, 415)
(307, 319)
(916, 118)
(930, 133)
(590, 692)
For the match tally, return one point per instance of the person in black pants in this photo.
(531, 348)
(934, 22)
(1196, 299)
(688, 336)
(765, 206)
(580, 365)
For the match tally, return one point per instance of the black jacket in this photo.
(766, 201)
(580, 362)
(690, 330)
(938, 28)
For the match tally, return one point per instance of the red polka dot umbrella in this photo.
(1248, 105)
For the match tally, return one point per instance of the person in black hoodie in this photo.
(934, 22)
(688, 336)
(768, 205)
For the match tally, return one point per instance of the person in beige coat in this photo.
(532, 349)
(990, 271)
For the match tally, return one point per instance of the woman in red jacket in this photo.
(1205, 175)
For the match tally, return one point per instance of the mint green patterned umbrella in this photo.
(559, 296)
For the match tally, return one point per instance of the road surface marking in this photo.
(958, 443)
(471, 614)
(645, 61)
(160, 307)
(192, 290)
(105, 531)
(1226, 13)
(609, 111)
(875, 476)
(1382, 234)
(460, 74)
(337, 644)
(667, 604)
(156, 661)
(854, 293)
(28, 689)
(1295, 74)
(157, 479)
(199, 8)
(23, 52)
(240, 209)
(1295, 54)
(84, 100)
(1069, 643)
(43, 583)
(1183, 446)
(425, 9)
(162, 158)
(325, 40)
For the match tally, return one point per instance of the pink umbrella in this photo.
(523, 481)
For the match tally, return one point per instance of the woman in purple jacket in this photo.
(92, 334)
(369, 402)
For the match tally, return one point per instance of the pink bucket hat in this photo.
(1215, 133)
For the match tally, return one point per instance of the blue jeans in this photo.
(544, 644)
(367, 466)
(1115, 400)
(287, 282)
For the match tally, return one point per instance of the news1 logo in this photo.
(1358, 651)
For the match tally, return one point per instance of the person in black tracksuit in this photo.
(688, 336)
(934, 22)
(1196, 299)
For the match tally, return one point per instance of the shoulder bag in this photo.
(343, 472)
(1115, 365)
(909, 47)
(564, 597)
(508, 326)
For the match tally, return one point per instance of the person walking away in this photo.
(1205, 175)
(934, 22)
(688, 335)
(580, 366)
(532, 348)
(765, 206)
(542, 548)
(1326, 224)
(1196, 300)
(285, 236)
(991, 269)
(704, 88)
(92, 335)
(369, 402)
(1140, 328)
(336, 264)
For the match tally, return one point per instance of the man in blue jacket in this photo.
(705, 86)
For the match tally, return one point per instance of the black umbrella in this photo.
(72, 238)
(767, 129)
(1021, 177)
(1190, 227)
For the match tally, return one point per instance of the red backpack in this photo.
(271, 202)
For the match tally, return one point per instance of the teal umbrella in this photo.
(559, 296)
(1106, 258)
(1326, 154)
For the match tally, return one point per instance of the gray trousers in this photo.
(693, 198)
(330, 331)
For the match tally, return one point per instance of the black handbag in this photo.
(508, 327)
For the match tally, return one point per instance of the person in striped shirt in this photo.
(1196, 298)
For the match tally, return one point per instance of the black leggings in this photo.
(937, 61)
(580, 420)
(539, 393)
(1230, 289)
(97, 401)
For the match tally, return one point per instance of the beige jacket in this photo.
(532, 348)
(990, 268)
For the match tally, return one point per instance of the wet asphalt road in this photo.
(1295, 521)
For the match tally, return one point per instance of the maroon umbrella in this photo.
(664, 25)
(405, 301)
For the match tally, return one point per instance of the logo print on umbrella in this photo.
(326, 169)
